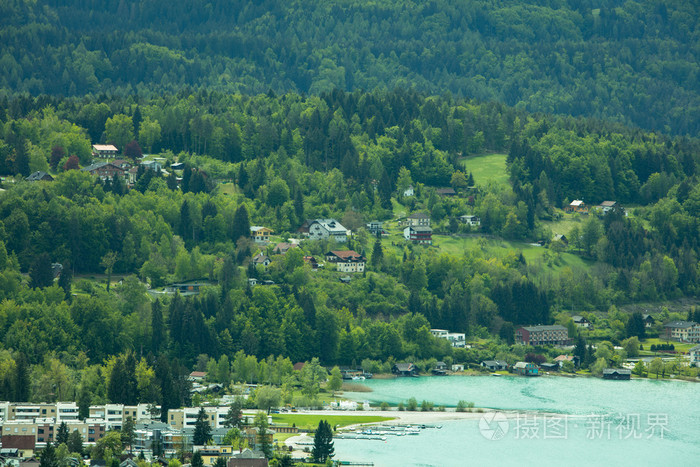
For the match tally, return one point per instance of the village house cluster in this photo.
(27, 428)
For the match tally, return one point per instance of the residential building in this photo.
(104, 150)
(648, 320)
(105, 170)
(347, 260)
(526, 369)
(683, 331)
(606, 206)
(39, 177)
(184, 418)
(446, 192)
(495, 365)
(561, 238)
(617, 373)
(577, 205)
(581, 321)
(419, 235)
(261, 259)
(283, 247)
(321, 229)
(248, 458)
(376, 228)
(417, 219)
(186, 288)
(409, 191)
(694, 354)
(470, 219)
(457, 339)
(404, 369)
(311, 261)
(542, 335)
(260, 234)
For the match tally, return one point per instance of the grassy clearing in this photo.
(487, 168)
(680, 347)
(310, 422)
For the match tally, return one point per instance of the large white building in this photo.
(320, 229)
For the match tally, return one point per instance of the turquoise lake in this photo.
(567, 421)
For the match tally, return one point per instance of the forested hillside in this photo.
(278, 160)
(634, 62)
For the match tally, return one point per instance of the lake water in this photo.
(568, 421)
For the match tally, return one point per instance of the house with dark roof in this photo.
(39, 177)
(261, 259)
(694, 354)
(417, 219)
(682, 331)
(470, 219)
(247, 458)
(404, 369)
(347, 260)
(420, 235)
(283, 247)
(648, 320)
(446, 192)
(617, 373)
(105, 170)
(494, 365)
(581, 321)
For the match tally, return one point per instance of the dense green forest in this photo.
(278, 160)
(634, 62)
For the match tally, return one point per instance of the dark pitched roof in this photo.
(680, 324)
(555, 327)
(419, 215)
(37, 176)
(619, 371)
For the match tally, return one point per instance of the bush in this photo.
(426, 406)
(400, 407)
(384, 405)
(412, 404)
(461, 406)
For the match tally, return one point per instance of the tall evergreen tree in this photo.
(241, 223)
(323, 442)
(48, 457)
(157, 330)
(22, 384)
(62, 434)
(202, 429)
(377, 253)
(75, 442)
(41, 274)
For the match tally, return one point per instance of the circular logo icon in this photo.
(493, 426)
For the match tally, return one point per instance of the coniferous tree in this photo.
(21, 383)
(241, 223)
(157, 330)
(41, 273)
(75, 442)
(323, 443)
(377, 253)
(197, 459)
(234, 416)
(62, 434)
(128, 432)
(65, 280)
(202, 429)
(48, 456)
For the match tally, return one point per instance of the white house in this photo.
(320, 229)
(409, 191)
(347, 260)
(470, 220)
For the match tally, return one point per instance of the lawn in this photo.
(498, 248)
(487, 168)
(678, 346)
(310, 422)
